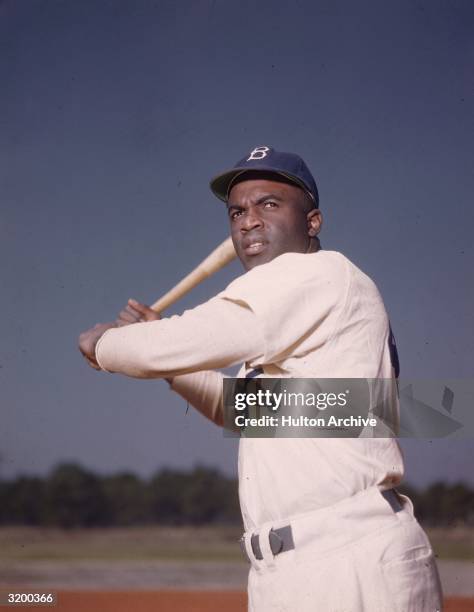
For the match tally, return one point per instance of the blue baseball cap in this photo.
(266, 159)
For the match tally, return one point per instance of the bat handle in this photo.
(216, 260)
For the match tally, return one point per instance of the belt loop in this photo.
(391, 498)
(264, 540)
(406, 504)
(248, 549)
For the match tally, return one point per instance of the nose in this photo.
(251, 221)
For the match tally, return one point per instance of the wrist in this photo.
(98, 342)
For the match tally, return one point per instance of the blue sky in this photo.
(115, 115)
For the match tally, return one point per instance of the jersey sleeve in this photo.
(216, 334)
(204, 391)
(296, 298)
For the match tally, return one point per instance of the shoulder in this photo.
(294, 282)
(296, 297)
(292, 269)
(309, 263)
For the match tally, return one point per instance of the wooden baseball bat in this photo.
(216, 260)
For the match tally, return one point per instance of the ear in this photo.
(315, 221)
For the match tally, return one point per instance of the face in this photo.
(269, 218)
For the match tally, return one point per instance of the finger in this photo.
(130, 317)
(141, 308)
(136, 313)
(147, 313)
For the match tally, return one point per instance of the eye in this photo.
(270, 204)
(233, 215)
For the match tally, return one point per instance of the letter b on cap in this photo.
(259, 153)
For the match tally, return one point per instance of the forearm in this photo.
(203, 390)
(215, 335)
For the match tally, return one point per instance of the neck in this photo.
(313, 246)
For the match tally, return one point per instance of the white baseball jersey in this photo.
(301, 315)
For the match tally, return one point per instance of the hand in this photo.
(135, 312)
(89, 339)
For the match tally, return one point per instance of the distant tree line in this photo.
(72, 496)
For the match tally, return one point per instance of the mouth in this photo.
(254, 248)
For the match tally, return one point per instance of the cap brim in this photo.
(220, 184)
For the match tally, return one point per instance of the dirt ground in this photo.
(176, 601)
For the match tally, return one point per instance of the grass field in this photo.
(133, 543)
(455, 543)
(169, 543)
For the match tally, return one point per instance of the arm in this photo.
(203, 390)
(216, 334)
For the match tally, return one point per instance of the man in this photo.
(324, 529)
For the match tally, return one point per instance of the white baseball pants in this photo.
(358, 555)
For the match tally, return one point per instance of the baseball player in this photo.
(325, 529)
